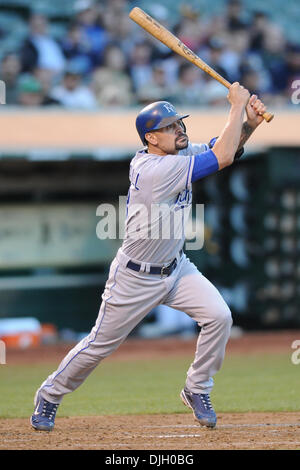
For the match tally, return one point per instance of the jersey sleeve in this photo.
(172, 175)
(206, 163)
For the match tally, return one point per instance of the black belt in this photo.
(162, 270)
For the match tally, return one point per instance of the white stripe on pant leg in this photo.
(192, 293)
(48, 394)
(135, 296)
(210, 353)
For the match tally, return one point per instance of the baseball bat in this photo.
(166, 37)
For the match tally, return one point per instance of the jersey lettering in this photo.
(183, 199)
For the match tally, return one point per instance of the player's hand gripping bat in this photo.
(166, 37)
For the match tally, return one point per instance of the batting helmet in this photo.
(156, 116)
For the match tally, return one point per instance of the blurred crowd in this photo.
(106, 60)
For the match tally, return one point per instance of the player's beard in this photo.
(181, 143)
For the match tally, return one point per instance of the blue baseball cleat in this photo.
(44, 413)
(201, 406)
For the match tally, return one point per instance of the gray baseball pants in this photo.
(127, 298)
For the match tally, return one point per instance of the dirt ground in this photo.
(157, 432)
(243, 431)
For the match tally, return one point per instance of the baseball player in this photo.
(150, 269)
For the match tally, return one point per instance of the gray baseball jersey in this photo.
(129, 294)
(158, 204)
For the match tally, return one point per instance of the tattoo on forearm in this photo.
(245, 134)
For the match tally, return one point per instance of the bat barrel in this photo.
(166, 37)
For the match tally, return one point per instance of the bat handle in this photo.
(268, 116)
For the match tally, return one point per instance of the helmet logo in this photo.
(169, 108)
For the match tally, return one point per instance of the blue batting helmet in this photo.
(156, 116)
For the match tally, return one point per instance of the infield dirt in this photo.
(160, 432)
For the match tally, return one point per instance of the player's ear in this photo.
(151, 138)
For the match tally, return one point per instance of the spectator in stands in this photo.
(120, 28)
(250, 80)
(257, 31)
(31, 94)
(141, 64)
(111, 83)
(75, 46)
(293, 67)
(160, 12)
(217, 57)
(237, 51)
(40, 49)
(117, 7)
(123, 34)
(267, 47)
(46, 79)
(188, 91)
(227, 40)
(113, 15)
(9, 72)
(72, 93)
(89, 18)
(224, 23)
(214, 93)
(189, 29)
(157, 89)
(274, 58)
(234, 17)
